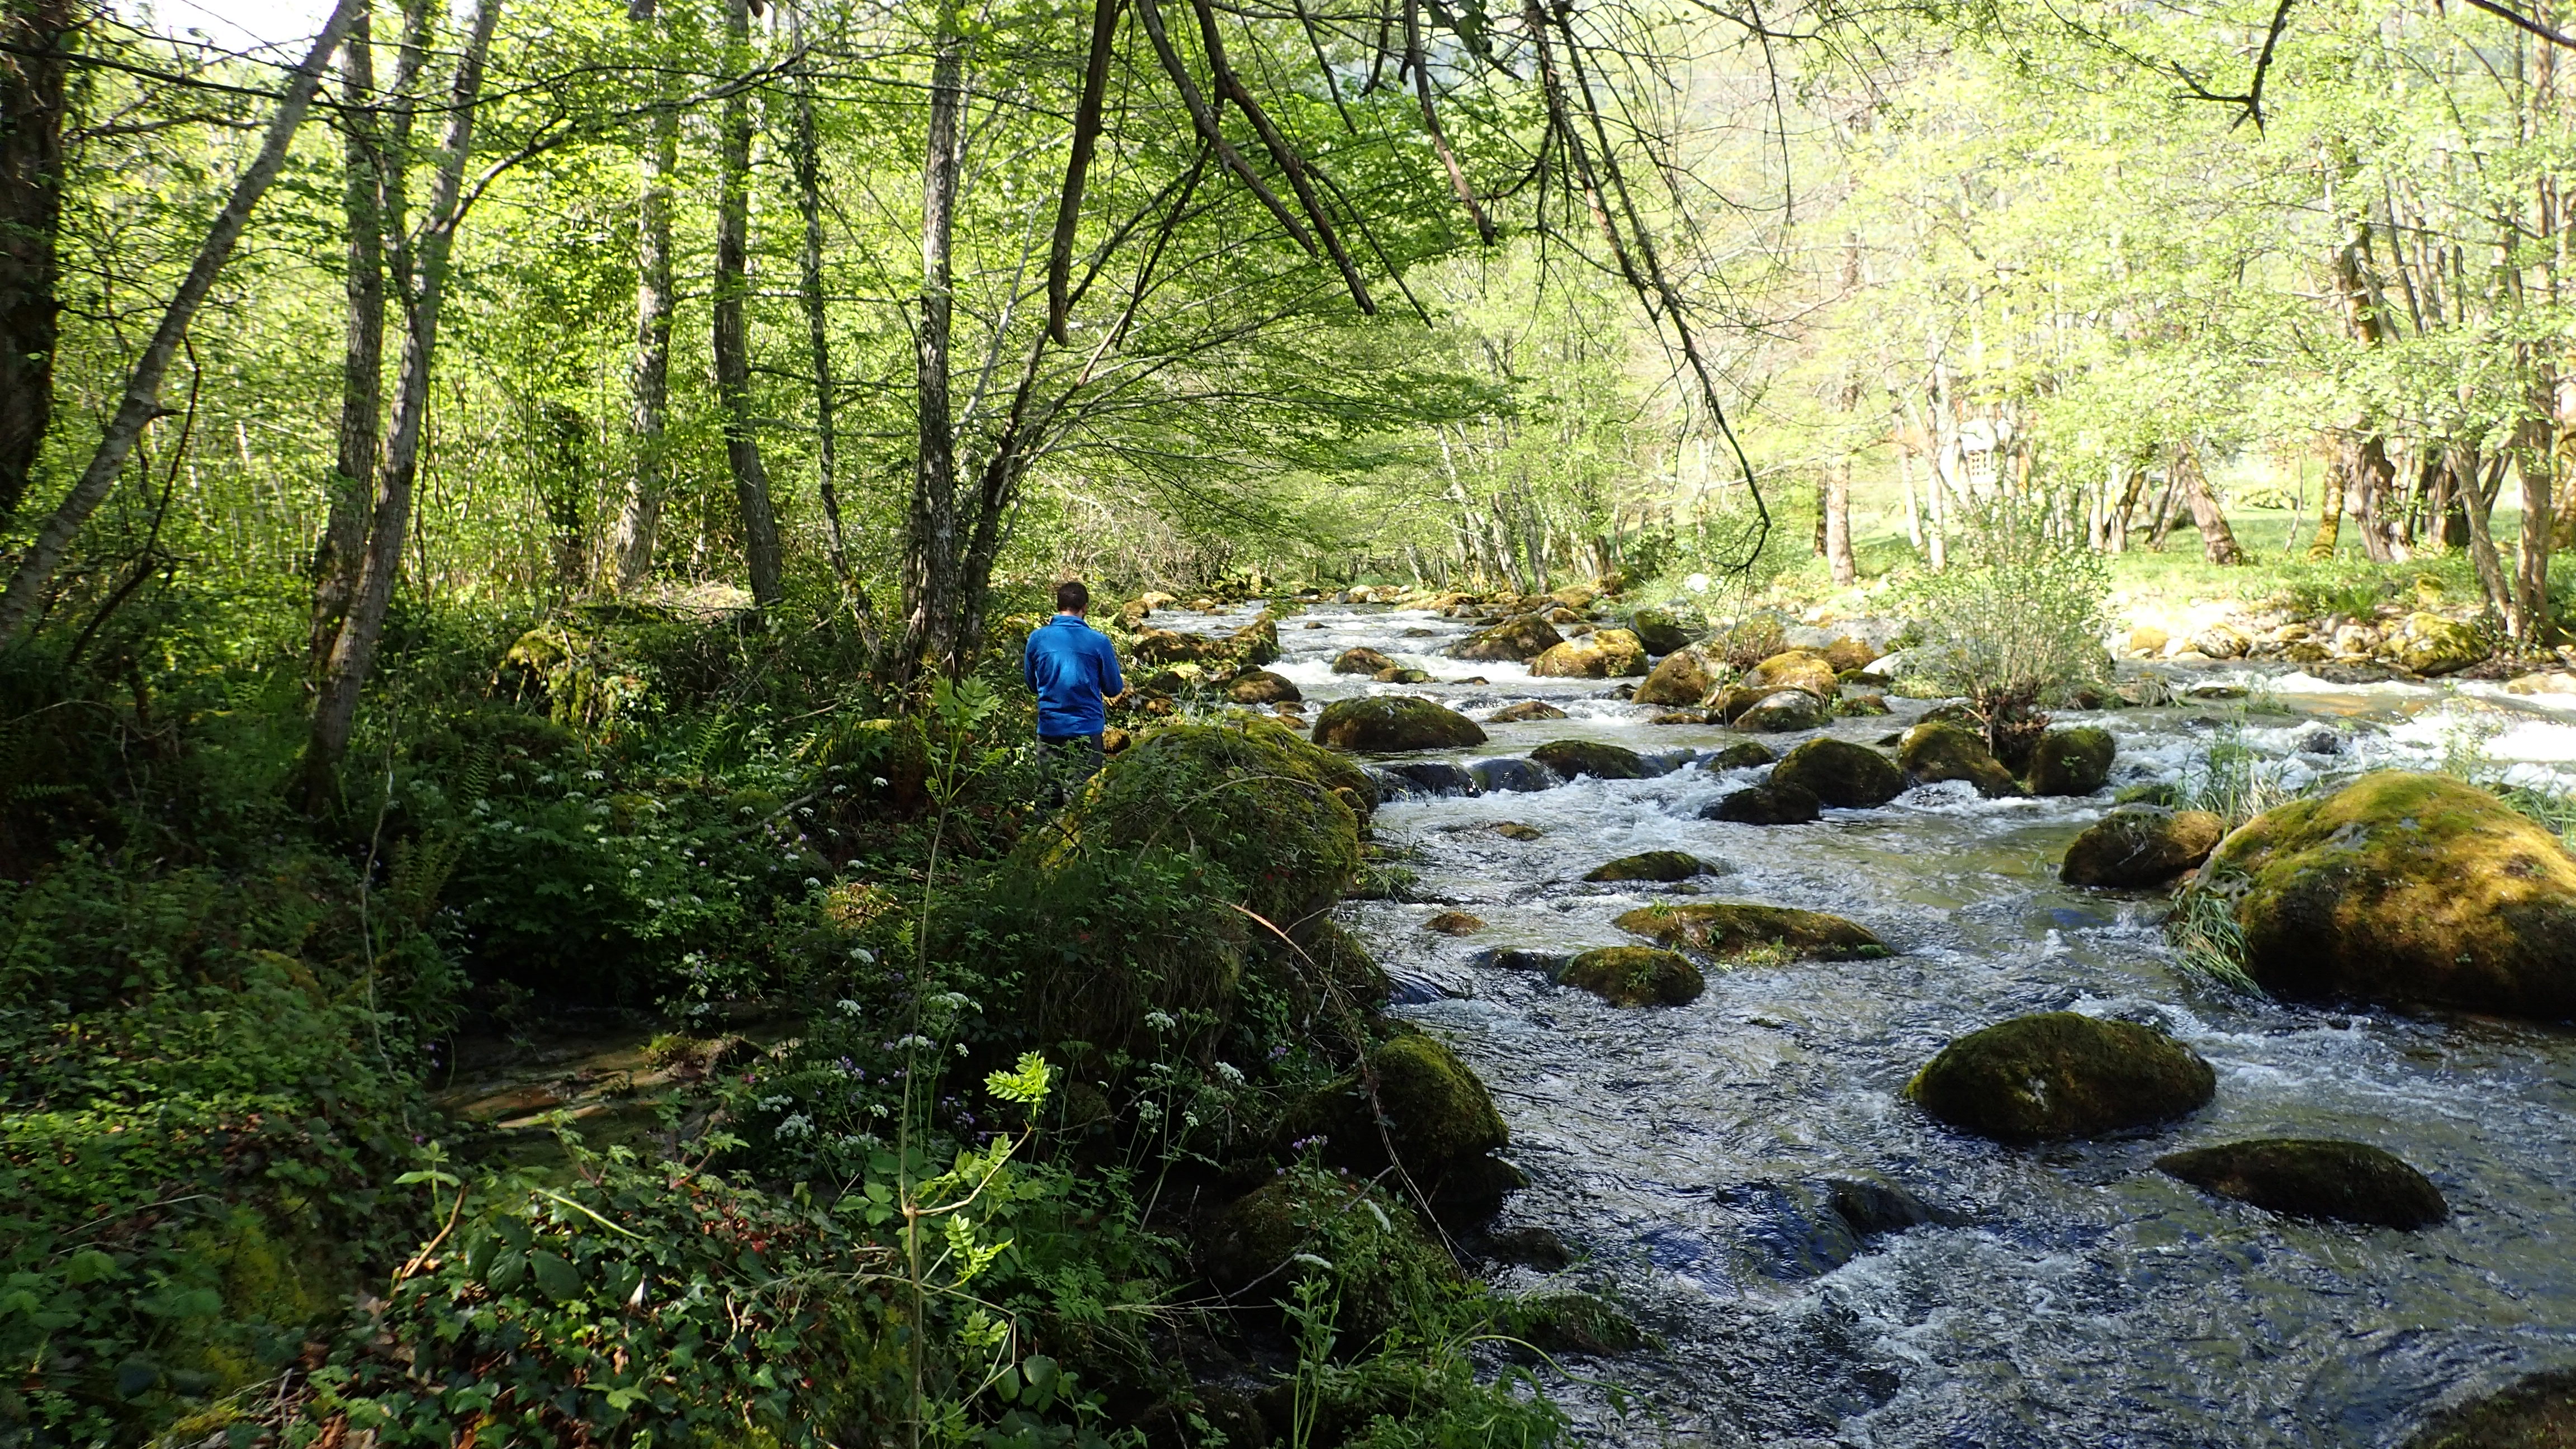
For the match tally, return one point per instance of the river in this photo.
(2070, 1295)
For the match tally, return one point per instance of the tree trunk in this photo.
(353, 653)
(1913, 511)
(732, 343)
(818, 337)
(2482, 550)
(2535, 465)
(353, 476)
(21, 601)
(38, 34)
(2321, 549)
(2373, 477)
(930, 562)
(1838, 543)
(2217, 540)
(639, 517)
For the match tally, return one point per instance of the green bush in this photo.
(2016, 620)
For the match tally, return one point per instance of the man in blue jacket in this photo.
(1073, 670)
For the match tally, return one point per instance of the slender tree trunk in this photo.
(2330, 505)
(2497, 593)
(2217, 540)
(353, 653)
(1838, 542)
(25, 595)
(639, 515)
(1913, 512)
(353, 476)
(2535, 466)
(732, 342)
(930, 563)
(818, 337)
(39, 35)
(2374, 477)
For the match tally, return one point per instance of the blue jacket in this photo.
(1071, 666)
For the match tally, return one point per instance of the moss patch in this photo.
(1736, 931)
(1841, 774)
(1388, 723)
(2537, 1413)
(1571, 758)
(1937, 750)
(2058, 1074)
(1652, 865)
(2139, 846)
(1438, 1117)
(1635, 976)
(2072, 762)
(2310, 1177)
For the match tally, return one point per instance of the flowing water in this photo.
(2070, 1295)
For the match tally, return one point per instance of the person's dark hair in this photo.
(1072, 598)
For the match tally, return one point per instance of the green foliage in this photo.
(2016, 623)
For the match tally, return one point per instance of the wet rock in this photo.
(1860, 706)
(2057, 1074)
(1635, 976)
(1874, 1206)
(1937, 750)
(2430, 644)
(1527, 709)
(2537, 1412)
(1682, 677)
(1435, 777)
(1518, 776)
(1437, 1115)
(1525, 637)
(1332, 965)
(2138, 846)
(1534, 1247)
(1841, 774)
(1388, 723)
(1516, 830)
(1574, 758)
(2543, 684)
(1571, 1323)
(2310, 1177)
(2072, 762)
(1726, 931)
(1773, 803)
(1781, 712)
(1401, 675)
(1576, 596)
(1601, 654)
(2222, 641)
(1800, 669)
(1362, 660)
(1260, 686)
(1654, 865)
(1256, 643)
(1166, 646)
(2405, 889)
(1685, 717)
(1742, 755)
(1375, 1252)
(1658, 631)
(1454, 923)
(1847, 654)
(2320, 741)
(1516, 958)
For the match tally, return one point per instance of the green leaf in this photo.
(560, 1280)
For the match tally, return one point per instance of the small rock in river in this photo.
(2137, 846)
(1526, 709)
(1635, 976)
(1841, 774)
(2057, 1074)
(1742, 755)
(2310, 1177)
(1518, 776)
(1574, 758)
(1387, 723)
(1454, 923)
(1653, 865)
(1771, 804)
(1515, 830)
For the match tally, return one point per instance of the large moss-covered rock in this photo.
(2137, 846)
(1571, 758)
(1601, 654)
(2407, 889)
(1659, 631)
(1794, 669)
(1635, 976)
(1841, 774)
(1260, 686)
(1654, 865)
(1528, 709)
(2537, 1412)
(2312, 1177)
(1937, 750)
(1726, 931)
(1389, 723)
(2058, 1074)
(2430, 644)
(1433, 1111)
(2072, 762)
(1782, 711)
(1565, 1322)
(1681, 678)
(1256, 643)
(1742, 755)
(1383, 1266)
(1525, 637)
(1362, 660)
(1774, 802)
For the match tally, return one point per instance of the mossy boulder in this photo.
(1681, 678)
(1386, 724)
(1802, 669)
(1841, 774)
(2430, 644)
(1770, 803)
(1260, 686)
(1659, 631)
(1327, 973)
(1362, 660)
(1937, 750)
(2537, 1412)
(1654, 865)
(1847, 654)
(1526, 637)
(1571, 1323)
(1781, 712)
(2311, 1177)
(1455, 923)
(1742, 755)
(1382, 1264)
(1601, 654)
(1437, 1117)
(1256, 643)
(1400, 674)
(1635, 976)
(1726, 931)
(1572, 758)
(2057, 1074)
(2072, 762)
(2138, 846)
(1528, 709)
(2405, 889)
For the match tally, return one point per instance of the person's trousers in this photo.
(1069, 760)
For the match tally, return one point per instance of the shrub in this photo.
(2016, 620)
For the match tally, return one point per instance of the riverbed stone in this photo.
(1516, 830)
(2314, 1177)
(1794, 669)
(1841, 774)
(2139, 846)
(1454, 923)
(2430, 644)
(1573, 758)
(2535, 1412)
(1848, 654)
(1261, 686)
(2058, 1075)
(1727, 931)
(1772, 803)
(1937, 750)
(1434, 777)
(1515, 776)
(1362, 660)
(1387, 723)
(1681, 678)
(1436, 1113)
(1601, 654)
(1781, 712)
(1526, 636)
(2405, 889)
(1309, 1224)
(1635, 976)
(1527, 709)
(1570, 1322)
(1742, 755)
(2072, 762)
(1652, 865)
(1659, 631)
